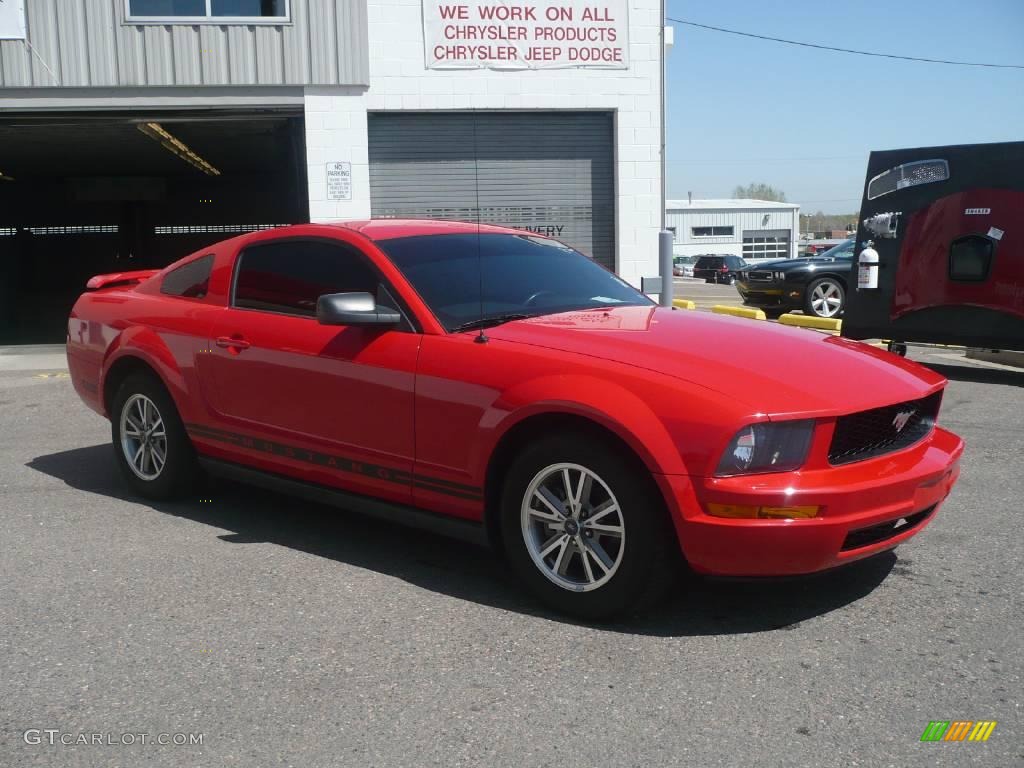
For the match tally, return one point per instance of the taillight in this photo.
(723, 269)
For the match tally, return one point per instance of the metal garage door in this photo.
(548, 172)
(766, 244)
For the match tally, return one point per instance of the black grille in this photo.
(867, 536)
(759, 276)
(873, 433)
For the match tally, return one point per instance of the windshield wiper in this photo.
(488, 322)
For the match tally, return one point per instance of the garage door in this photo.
(545, 172)
(766, 244)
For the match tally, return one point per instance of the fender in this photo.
(606, 403)
(146, 345)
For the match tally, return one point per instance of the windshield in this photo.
(522, 275)
(705, 262)
(842, 251)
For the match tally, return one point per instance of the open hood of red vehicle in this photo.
(774, 369)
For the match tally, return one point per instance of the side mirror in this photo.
(357, 308)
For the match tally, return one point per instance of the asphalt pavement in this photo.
(287, 634)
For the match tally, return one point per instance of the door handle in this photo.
(232, 342)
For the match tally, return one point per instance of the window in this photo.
(290, 275)
(214, 11)
(522, 275)
(191, 280)
(970, 259)
(712, 231)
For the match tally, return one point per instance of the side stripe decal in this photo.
(339, 463)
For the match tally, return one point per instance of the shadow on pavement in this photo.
(975, 374)
(461, 570)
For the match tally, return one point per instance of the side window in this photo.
(289, 276)
(190, 280)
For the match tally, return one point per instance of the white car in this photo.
(682, 266)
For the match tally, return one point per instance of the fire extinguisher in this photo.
(867, 268)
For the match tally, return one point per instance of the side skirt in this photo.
(453, 527)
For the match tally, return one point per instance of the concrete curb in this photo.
(747, 312)
(806, 321)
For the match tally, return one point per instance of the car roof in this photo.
(388, 229)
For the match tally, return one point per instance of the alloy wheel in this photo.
(143, 437)
(827, 299)
(573, 527)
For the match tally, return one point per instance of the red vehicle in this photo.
(944, 228)
(500, 385)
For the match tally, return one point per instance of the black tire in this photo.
(809, 296)
(650, 554)
(180, 471)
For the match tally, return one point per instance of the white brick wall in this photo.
(336, 117)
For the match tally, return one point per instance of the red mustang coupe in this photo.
(501, 385)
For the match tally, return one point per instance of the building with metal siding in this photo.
(753, 229)
(92, 43)
(280, 105)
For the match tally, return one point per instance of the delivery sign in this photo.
(504, 34)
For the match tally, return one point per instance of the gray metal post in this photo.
(665, 239)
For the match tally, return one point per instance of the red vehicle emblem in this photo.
(901, 419)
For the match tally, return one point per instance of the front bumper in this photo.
(771, 294)
(860, 506)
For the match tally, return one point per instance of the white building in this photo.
(753, 229)
(542, 116)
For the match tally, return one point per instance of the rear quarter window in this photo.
(191, 281)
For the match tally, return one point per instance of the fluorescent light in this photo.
(176, 146)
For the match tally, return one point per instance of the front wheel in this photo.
(585, 528)
(825, 297)
(151, 447)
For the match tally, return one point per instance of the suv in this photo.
(718, 268)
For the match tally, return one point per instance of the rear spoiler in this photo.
(119, 278)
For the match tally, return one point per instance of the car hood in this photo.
(773, 369)
(811, 262)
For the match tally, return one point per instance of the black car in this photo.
(718, 268)
(817, 284)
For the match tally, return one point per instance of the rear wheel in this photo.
(151, 446)
(585, 529)
(825, 297)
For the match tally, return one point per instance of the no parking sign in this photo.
(12, 19)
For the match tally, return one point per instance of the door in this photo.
(946, 223)
(328, 404)
(765, 244)
(546, 172)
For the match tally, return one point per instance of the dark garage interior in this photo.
(85, 194)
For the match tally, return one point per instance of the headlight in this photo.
(767, 447)
(780, 275)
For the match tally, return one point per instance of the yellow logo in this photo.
(958, 730)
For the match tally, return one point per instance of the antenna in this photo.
(481, 337)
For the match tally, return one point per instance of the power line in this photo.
(844, 50)
(768, 160)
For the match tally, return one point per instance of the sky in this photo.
(741, 110)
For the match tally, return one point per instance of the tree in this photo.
(760, 192)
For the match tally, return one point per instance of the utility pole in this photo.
(665, 237)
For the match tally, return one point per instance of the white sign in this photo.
(529, 34)
(12, 19)
(339, 181)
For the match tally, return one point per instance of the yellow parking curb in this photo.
(683, 304)
(806, 321)
(748, 312)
